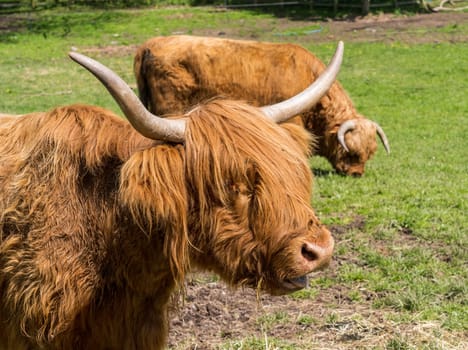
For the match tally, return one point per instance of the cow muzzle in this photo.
(312, 255)
(354, 171)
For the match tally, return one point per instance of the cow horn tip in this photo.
(73, 55)
(78, 57)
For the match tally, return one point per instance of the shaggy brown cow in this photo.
(175, 73)
(100, 219)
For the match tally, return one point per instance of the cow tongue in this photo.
(296, 283)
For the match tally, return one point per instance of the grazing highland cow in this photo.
(100, 219)
(175, 73)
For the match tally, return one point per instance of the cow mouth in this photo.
(294, 284)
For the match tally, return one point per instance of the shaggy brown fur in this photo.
(177, 72)
(99, 225)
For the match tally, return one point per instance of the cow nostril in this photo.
(356, 174)
(309, 253)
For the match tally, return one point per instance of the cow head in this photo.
(357, 144)
(248, 184)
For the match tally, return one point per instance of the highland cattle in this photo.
(101, 218)
(176, 73)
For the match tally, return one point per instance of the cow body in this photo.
(99, 224)
(177, 72)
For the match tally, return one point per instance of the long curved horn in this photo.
(344, 128)
(297, 104)
(147, 124)
(382, 137)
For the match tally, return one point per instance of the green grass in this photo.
(412, 252)
(34, 58)
(408, 257)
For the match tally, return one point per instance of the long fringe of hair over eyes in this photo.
(222, 137)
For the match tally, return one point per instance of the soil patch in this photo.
(215, 317)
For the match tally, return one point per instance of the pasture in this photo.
(399, 277)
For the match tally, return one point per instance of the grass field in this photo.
(401, 230)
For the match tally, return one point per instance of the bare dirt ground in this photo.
(421, 28)
(215, 317)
